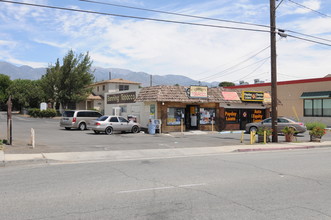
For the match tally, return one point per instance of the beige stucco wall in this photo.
(291, 103)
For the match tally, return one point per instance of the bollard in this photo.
(33, 143)
(242, 137)
(265, 137)
(252, 137)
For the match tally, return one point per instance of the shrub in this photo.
(317, 131)
(261, 130)
(48, 113)
(312, 125)
(36, 113)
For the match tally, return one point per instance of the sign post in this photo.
(9, 121)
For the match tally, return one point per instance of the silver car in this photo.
(282, 122)
(111, 123)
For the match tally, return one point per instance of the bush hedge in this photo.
(37, 113)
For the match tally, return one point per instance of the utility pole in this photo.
(150, 80)
(274, 114)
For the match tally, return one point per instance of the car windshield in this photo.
(102, 118)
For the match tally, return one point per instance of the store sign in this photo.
(257, 115)
(231, 116)
(198, 91)
(128, 97)
(250, 96)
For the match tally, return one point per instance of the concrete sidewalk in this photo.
(76, 157)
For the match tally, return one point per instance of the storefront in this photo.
(181, 108)
(306, 100)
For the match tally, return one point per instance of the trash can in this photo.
(151, 127)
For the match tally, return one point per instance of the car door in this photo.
(282, 123)
(114, 123)
(267, 123)
(125, 126)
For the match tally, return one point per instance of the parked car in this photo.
(282, 122)
(111, 123)
(78, 118)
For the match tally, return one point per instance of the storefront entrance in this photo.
(192, 117)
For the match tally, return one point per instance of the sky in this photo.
(38, 36)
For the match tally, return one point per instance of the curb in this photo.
(2, 158)
(273, 148)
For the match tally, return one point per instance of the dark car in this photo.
(282, 122)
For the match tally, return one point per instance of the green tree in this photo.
(4, 85)
(26, 93)
(226, 84)
(69, 83)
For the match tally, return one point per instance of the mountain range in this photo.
(27, 72)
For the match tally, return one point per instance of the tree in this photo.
(26, 93)
(70, 82)
(226, 84)
(4, 85)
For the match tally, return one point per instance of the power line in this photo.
(264, 61)
(135, 17)
(173, 13)
(303, 6)
(194, 16)
(300, 38)
(234, 66)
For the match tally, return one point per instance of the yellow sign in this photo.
(252, 96)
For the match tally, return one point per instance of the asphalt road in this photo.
(50, 137)
(259, 185)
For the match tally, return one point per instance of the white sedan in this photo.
(111, 123)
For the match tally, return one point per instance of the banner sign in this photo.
(199, 92)
(250, 96)
(128, 97)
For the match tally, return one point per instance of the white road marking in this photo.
(162, 188)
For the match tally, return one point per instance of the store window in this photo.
(207, 115)
(317, 107)
(232, 116)
(174, 115)
(123, 108)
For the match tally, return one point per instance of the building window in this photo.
(317, 107)
(175, 115)
(207, 115)
(231, 116)
(98, 88)
(103, 87)
(123, 87)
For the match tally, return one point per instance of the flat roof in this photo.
(282, 83)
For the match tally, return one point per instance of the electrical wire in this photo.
(234, 66)
(264, 61)
(304, 39)
(236, 70)
(173, 13)
(136, 17)
(303, 6)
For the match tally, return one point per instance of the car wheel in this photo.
(109, 130)
(135, 129)
(96, 132)
(67, 128)
(82, 126)
(253, 129)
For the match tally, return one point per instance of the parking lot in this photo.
(50, 137)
